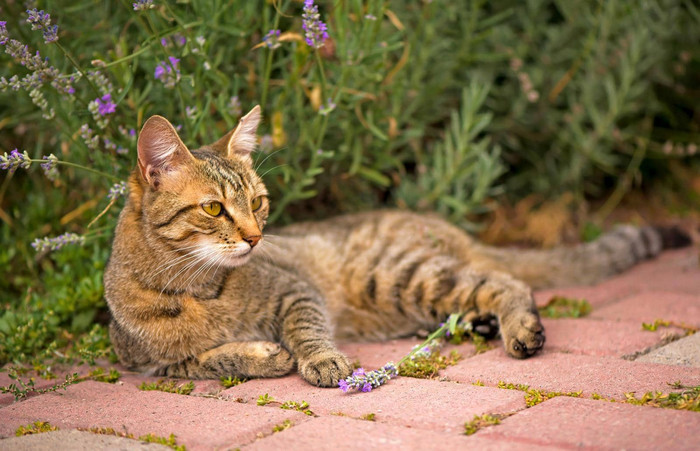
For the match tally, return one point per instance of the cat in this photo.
(196, 291)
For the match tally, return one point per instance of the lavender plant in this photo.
(366, 104)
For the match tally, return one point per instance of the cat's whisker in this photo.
(272, 169)
(257, 166)
(199, 256)
(177, 261)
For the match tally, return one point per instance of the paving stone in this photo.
(340, 433)
(75, 441)
(552, 371)
(568, 423)
(420, 403)
(685, 351)
(199, 423)
(601, 337)
(651, 305)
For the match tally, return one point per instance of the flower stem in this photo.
(78, 68)
(440, 332)
(80, 166)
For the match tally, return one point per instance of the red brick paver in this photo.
(595, 354)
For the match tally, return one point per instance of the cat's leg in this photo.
(431, 286)
(306, 332)
(242, 359)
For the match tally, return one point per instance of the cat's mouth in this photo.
(237, 257)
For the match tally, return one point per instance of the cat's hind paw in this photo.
(523, 334)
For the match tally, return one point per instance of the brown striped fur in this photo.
(201, 296)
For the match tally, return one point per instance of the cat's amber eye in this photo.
(212, 208)
(256, 203)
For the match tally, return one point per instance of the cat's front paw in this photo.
(325, 368)
(523, 334)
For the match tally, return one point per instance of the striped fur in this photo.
(194, 295)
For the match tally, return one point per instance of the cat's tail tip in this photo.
(673, 237)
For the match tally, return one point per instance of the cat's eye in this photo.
(212, 208)
(256, 203)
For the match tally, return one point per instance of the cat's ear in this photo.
(160, 150)
(242, 140)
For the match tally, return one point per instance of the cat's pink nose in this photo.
(252, 240)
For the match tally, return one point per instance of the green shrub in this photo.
(429, 105)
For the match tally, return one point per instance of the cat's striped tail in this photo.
(583, 264)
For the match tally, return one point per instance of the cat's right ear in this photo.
(160, 150)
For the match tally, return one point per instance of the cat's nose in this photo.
(252, 240)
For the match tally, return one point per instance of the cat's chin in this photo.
(232, 261)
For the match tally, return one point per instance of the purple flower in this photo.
(142, 5)
(15, 160)
(314, 29)
(49, 167)
(324, 110)
(366, 381)
(272, 39)
(3, 32)
(42, 244)
(105, 105)
(168, 72)
(42, 21)
(117, 190)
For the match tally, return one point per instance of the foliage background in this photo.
(431, 105)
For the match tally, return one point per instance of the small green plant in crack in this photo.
(170, 441)
(427, 366)
(563, 307)
(231, 381)
(286, 424)
(481, 421)
(35, 428)
(99, 375)
(687, 399)
(21, 389)
(534, 396)
(369, 417)
(168, 387)
(652, 327)
(302, 406)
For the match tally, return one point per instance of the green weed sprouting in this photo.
(231, 381)
(563, 307)
(21, 389)
(35, 428)
(480, 422)
(169, 386)
(534, 396)
(689, 330)
(286, 424)
(302, 406)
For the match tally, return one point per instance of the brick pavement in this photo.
(605, 354)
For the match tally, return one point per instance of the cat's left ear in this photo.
(241, 141)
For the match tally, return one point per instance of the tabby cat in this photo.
(195, 291)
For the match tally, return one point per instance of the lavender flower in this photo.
(366, 381)
(266, 143)
(143, 5)
(91, 140)
(42, 21)
(326, 109)
(15, 160)
(234, 106)
(272, 39)
(168, 72)
(314, 29)
(49, 168)
(42, 244)
(105, 105)
(191, 112)
(4, 36)
(117, 190)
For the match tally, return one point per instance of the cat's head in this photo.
(207, 203)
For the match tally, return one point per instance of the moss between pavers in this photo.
(687, 399)
(429, 366)
(20, 388)
(534, 396)
(563, 307)
(168, 387)
(170, 441)
(689, 330)
(302, 406)
(35, 428)
(480, 422)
